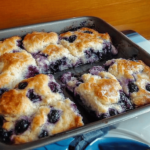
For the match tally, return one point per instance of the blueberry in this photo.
(71, 38)
(132, 87)
(22, 85)
(88, 32)
(43, 134)
(148, 87)
(53, 116)
(5, 135)
(32, 71)
(53, 87)
(1, 120)
(106, 51)
(33, 97)
(18, 43)
(55, 66)
(21, 126)
(103, 116)
(2, 90)
(88, 53)
(125, 102)
(113, 112)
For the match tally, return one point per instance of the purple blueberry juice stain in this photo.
(54, 116)
(114, 51)
(106, 47)
(96, 70)
(91, 56)
(5, 136)
(56, 66)
(51, 77)
(32, 71)
(3, 90)
(74, 107)
(21, 126)
(54, 87)
(66, 77)
(108, 51)
(33, 97)
(78, 63)
(15, 51)
(125, 102)
(43, 134)
(22, 85)
(19, 44)
(42, 63)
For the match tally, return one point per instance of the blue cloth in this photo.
(82, 141)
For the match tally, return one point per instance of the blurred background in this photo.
(122, 14)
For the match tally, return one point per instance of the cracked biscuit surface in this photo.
(15, 67)
(134, 78)
(87, 44)
(36, 108)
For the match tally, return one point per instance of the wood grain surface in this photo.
(122, 14)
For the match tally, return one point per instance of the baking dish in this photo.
(126, 49)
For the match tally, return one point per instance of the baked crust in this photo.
(14, 67)
(9, 45)
(84, 41)
(99, 92)
(16, 102)
(69, 119)
(16, 105)
(36, 41)
(132, 71)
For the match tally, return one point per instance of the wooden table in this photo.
(123, 14)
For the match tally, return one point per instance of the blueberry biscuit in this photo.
(36, 41)
(134, 77)
(88, 45)
(10, 45)
(100, 94)
(35, 109)
(15, 67)
(50, 56)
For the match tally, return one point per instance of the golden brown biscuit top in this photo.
(68, 120)
(55, 52)
(36, 41)
(14, 67)
(122, 68)
(84, 40)
(104, 89)
(133, 71)
(15, 102)
(54, 49)
(10, 44)
(9, 61)
(142, 96)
